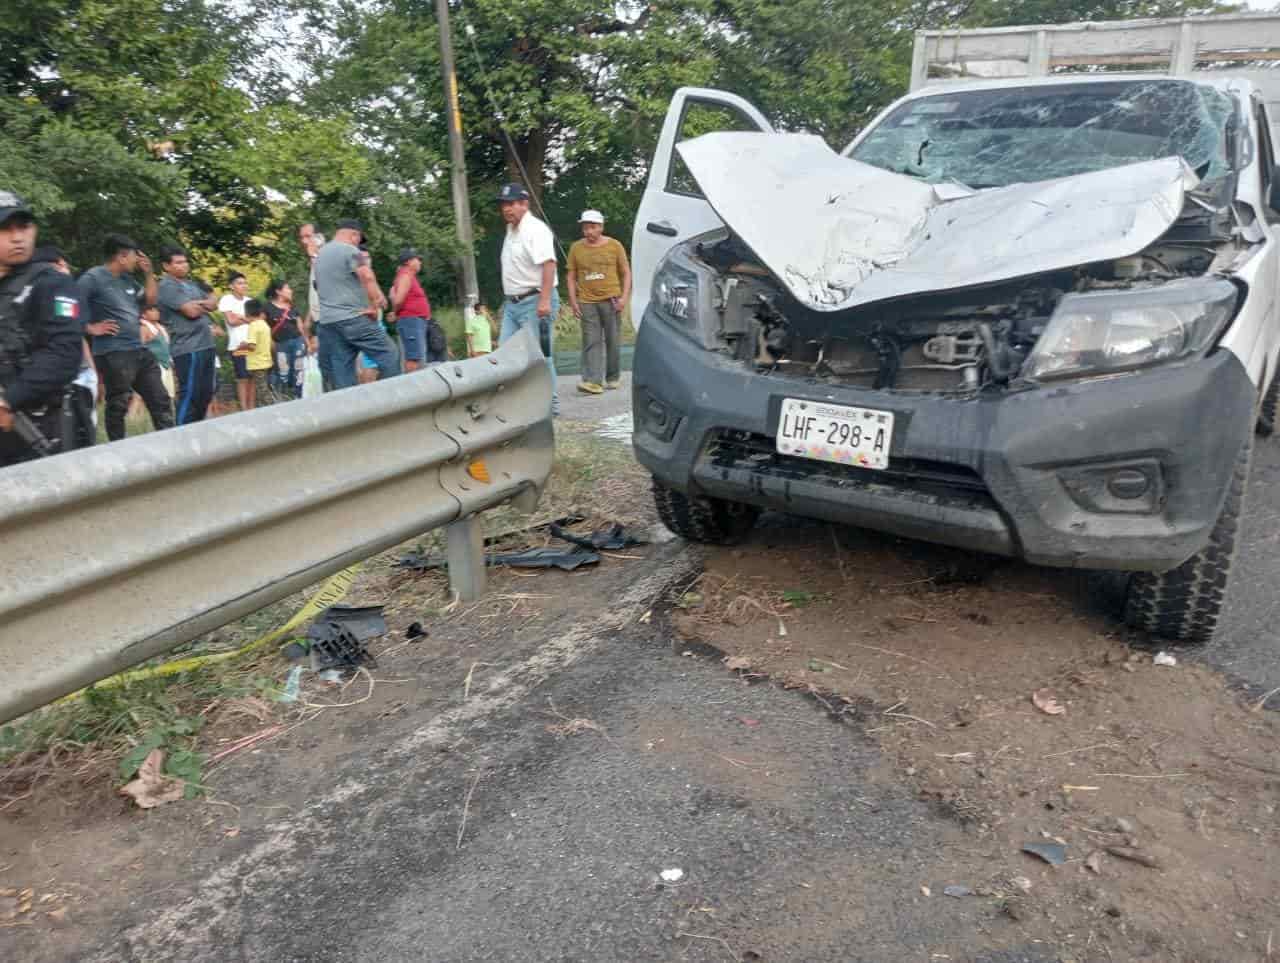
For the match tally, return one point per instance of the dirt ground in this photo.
(1160, 783)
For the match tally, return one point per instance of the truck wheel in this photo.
(1269, 410)
(712, 521)
(1183, 604)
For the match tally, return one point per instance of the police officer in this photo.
(41, 339)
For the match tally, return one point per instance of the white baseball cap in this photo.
(591, 217)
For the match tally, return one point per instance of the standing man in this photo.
(530, 298)
(40, 338)
(184, 311)
(80, 400)
(599, 285)
(422, 338)
(350, 305)
(113, 299)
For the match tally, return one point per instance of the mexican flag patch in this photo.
(66, 307)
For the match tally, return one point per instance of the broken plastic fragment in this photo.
(1164, 658)
(1055, 854)
(291, 685)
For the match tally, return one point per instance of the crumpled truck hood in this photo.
(840, 233)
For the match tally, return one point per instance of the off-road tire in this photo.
(711, 521)
(1269, 410)
(1184, 603)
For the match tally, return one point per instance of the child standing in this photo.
(479, 331)
(258, 361)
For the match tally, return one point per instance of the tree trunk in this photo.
(532, 153)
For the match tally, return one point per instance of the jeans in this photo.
(196, 383)
(601, 353)
(413, 338)
(286, 376)
(341, 341)
(524, 314)
(123, 373)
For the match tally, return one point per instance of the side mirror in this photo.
(1273, 200)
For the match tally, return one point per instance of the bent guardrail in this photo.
(114, 554)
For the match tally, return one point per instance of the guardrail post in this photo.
(465, 554)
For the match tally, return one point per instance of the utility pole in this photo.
(457, 162)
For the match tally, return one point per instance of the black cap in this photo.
(512, 192)
(11, 204)
(407, 254)
(351, 224)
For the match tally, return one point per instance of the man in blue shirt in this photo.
(113, 299)
(184, 311)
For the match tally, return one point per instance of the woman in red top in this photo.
(421, 339)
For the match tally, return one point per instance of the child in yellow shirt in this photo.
(258, 361)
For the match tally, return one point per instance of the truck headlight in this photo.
(675, 293)
(1105, 331)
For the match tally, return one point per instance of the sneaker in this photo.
(613, 384)
(590, 388)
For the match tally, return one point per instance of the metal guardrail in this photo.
(115, 554)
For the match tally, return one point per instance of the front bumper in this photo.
(1031, 474)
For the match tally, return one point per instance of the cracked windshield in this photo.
(997, 137)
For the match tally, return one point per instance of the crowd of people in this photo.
(120, 336)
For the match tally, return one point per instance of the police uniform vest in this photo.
(15, 336)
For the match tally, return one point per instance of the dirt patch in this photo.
(1160, 782)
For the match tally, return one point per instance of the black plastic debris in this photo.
(362, 621)
(584, 550)
(567, 559)
(339, 649)
(608, 539)
(338, 635)
(415, 631)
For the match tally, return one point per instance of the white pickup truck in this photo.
(1034, 316)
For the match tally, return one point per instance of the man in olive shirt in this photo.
(184, 311)
(112, 298)
(599, 285)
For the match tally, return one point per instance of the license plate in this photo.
(835, 433)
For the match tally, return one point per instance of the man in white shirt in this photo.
(530, 298)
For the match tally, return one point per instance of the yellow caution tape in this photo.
(333, 590)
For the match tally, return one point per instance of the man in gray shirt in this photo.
(112, 298)
(184, 311)
(351, 304)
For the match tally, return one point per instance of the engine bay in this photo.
(961, 341)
